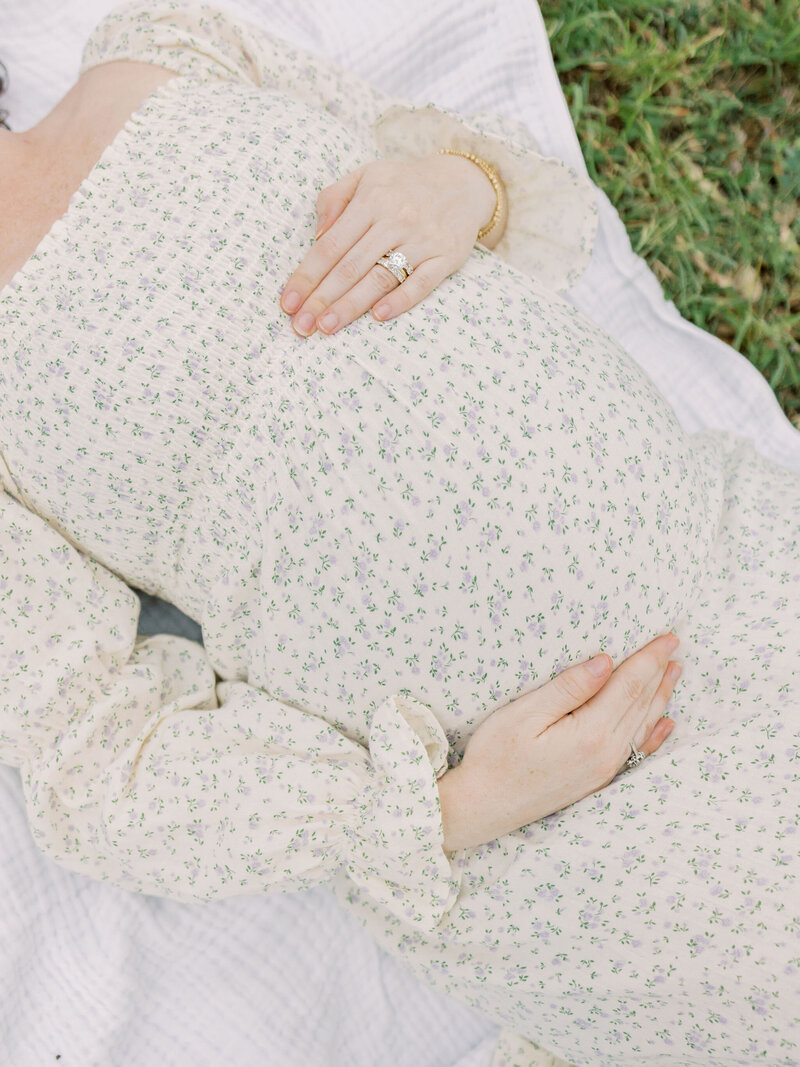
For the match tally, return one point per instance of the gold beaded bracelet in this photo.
(497, 185)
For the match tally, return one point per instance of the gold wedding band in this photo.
(397, 264)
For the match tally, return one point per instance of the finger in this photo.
(320, 260)
(652, 743)
(654, 713)
(565, 693)
(421, 284)
(658, 735)
(655, 728)
(353, 285)
(378, 282)
(334, 198)
(634, 683)
(358, 300)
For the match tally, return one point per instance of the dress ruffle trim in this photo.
(552, 212)
(396, 852)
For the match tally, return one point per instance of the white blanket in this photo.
(100, 977)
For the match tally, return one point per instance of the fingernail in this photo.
(674, 672)
(382, 311)
(305, 323)
(673, 642)
(320, 225)
(329, 321)
(291, 301)
(599, 665)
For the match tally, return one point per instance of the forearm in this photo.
(474, 810)
(462, 822)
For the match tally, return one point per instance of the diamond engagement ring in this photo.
(635, 757)
(397, 263)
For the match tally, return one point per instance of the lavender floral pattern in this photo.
(386, 535)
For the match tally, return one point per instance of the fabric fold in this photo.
(142, 770)
(396, 840)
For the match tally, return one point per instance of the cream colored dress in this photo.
(386, 535)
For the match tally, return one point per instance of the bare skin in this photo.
(41, 168)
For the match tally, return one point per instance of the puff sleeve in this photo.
(141, 770)
(552, 215)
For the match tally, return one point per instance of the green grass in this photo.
(689, 119)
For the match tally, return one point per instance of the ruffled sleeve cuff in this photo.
(395, 839)
(552, 212)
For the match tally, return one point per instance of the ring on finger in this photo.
(397, 264)
(636, 757)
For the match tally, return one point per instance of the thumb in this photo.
(571, 689)
(333, 199)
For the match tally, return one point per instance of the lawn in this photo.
(689, 118)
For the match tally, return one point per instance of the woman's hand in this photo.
(430, 209)
(557, 744)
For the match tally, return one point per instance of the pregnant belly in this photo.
(465, 500)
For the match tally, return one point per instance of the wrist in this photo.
(450, 806)
(496, 210)
(463, 805)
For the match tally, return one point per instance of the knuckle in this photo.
(349, 271)
(385, 279)
(633, 688)
(331, 247)
(408, 214)
(569, 688)
(302, 282)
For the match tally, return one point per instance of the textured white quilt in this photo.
(99, 977)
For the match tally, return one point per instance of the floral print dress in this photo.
(386, 535)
